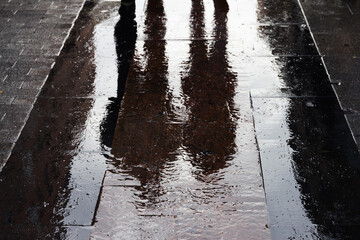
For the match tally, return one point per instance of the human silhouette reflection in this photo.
(125, 38)
(209, 89)
(145, 138)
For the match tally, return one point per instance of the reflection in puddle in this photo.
(208, 87)
(125, 38)
(180, 167)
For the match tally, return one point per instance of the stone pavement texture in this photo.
(179, 159)
(191, 166)
(32, 34)
(185, 161)
(334, 25)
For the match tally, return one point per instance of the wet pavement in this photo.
(175, 120)
(32, 34)
(334, 28)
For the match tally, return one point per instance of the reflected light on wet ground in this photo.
(153, 137)
(176, 169)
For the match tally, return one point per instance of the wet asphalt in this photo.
(185, 120)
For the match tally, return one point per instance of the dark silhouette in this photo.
(145, 138)
(209, 135)
(125, 38)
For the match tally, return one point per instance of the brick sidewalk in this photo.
(32, 34)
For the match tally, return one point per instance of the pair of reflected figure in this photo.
(144, 133)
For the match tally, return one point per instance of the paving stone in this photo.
(39, 71)
(31, 64)
(8, 137)
(5, 53)
(19, 71)
(332, 17)
(354, 123)
(23, 101)
(348, 72)
(31, 36)
(8, 86)
(42, 5)
(24, 78)
(338, 44)
(32, 85)
(6, 100)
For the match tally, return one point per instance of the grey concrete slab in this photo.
(334, 17)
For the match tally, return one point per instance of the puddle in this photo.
(145, 130)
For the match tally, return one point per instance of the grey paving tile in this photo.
(8, 86)
(347, 91)
(31, 64)
(26, 48)
(19, 100)
(349, 105)
(343, 68)
(338, 44)
(23, 78)
(39, 71)
(333, 17)
(32, 85)
(354, 123)
(32, 12)
(17, 92)
(6, 99)
(6, 53)
(7, 137)
(15, 126)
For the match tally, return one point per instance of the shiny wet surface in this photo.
(334, 27)
(183, 163)
(145, 130)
